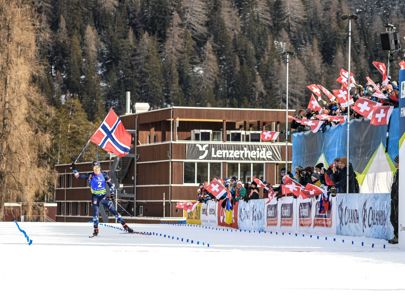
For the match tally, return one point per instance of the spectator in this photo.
(339, 173)
(240, 191)
(202, 194)
(315, 179)
(394, 203)
(254, 191)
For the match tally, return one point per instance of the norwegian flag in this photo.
(328, 94)
(314, 89)
(313, 124)
(312, 190)
(381, 115)
(341, 96)
(314, 105)
(267, 136)
(112, 136)
(216, 188)
(381, 67)
(364, 107)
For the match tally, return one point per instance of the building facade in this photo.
(175, 149)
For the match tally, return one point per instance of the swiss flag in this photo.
(313, 124)
(291, 188)
(259, 183)
(344, 74)
(314, 105)
(328, 94)
(341, 96)
(364, 107)
(287, 179)
(189, 206)
(381, 115)
(271, 194)
(112, 136)
(372, 83)
(312, 190)
(378, 94)
(337, 119)
(267, 136)
(314, 89)
(323, 117)
(216, 188)
(382, 69)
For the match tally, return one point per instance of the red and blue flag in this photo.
(112, 135)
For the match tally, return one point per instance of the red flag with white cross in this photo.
(267, 136)
(364, 107)
(216, 188)
(382, 68)
(381, 115)
(341, 97)
(313, 124)
(315, 90)
(314, 105)
(328, 94)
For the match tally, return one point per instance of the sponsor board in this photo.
(194, 216)
(209, 213)
(272, 213)
(222, 216)
(364, 215)
(251, 214)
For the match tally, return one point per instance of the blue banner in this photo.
(364, 215)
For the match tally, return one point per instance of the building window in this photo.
(217, 136)
(155, 138)
(197, 172)
(189, 172)
(258, 170)
(215, 170)
(68, 180)
(59, 208)
(61, 181)
(202, 172)
(245, 172)
(233, 170)
(68, 206)
(75, 209)
(141, 210)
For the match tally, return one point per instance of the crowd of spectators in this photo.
(332, 180)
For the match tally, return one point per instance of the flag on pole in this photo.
(364, 107)
(314, 104)
(112, 135)
(381, 115)
(314, 89)
(267, 136)
(381, 67)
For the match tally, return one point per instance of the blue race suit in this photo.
(97, 185)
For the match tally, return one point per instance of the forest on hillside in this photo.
(63, 63)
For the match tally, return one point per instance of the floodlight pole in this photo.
(350, 18)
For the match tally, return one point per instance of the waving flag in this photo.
(291, 188)
(341, 97)
(259, 183)
(381, 115)
(267, 136)
(112, 136)
(313, 124)
(314, 89)
(364, 107)
(314, 105)
(216, 188)
(345, 74)
(327, 93)
(381, 67)
(312, 190)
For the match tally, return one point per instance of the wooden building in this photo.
(174, 150)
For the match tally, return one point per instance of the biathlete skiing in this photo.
(98, 182)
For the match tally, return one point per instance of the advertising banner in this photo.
(231, 152)
(209, 213)
(287, 213)
(323, 218)
(364, 215)
(222, 215)
(272, 215)
(251, 214)
(305, 212)
(194, 216)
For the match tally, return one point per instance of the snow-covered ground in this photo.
(63, 263)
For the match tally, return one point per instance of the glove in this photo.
(112, 188)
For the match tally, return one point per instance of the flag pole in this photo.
(81, 152)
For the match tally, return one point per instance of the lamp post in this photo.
(285, 54)
(350, 18)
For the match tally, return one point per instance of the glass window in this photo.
(61, 181)
(68, 208)
(233, 170)
(255, 137)
(86, 209)
(202, 172)
(59, 208)
(215, 170)
(189, 172)
(245, 172)
(205, 136)
(236, 136)
(69, 180)
(196, 136)
(217, 136)
(258, 170)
